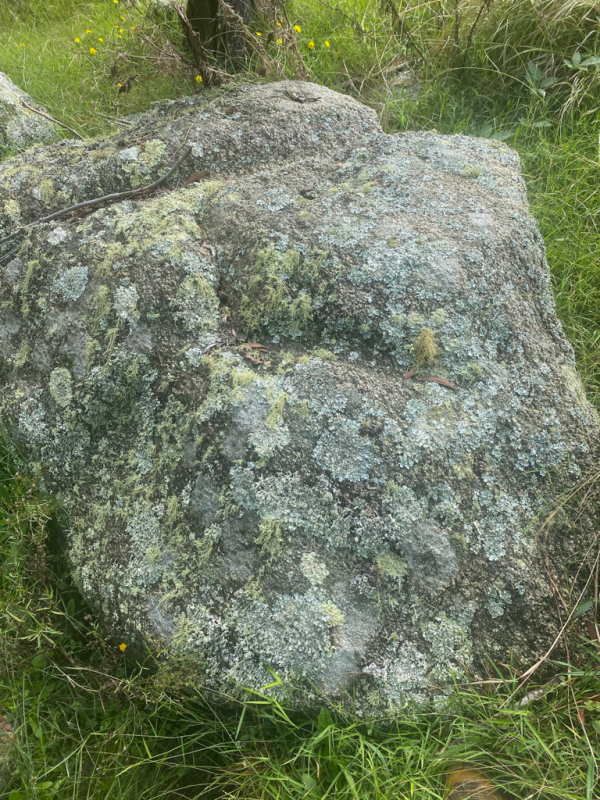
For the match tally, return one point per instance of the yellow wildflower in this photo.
(311, 45)
(93, 51)
(123, 18)
(78, 40)
(100, 39)
(116, 2)
(297, 28)
(258, 33)
(123, 646)
(119, 36)
(279, 24)
(88, 30)
(279, 41)
(326, 43)
(120, 30)
(198, 78)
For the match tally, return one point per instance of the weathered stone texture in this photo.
(19, 126)
(319, 515)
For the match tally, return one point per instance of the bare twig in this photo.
(208, 73)
(9, 254)
(47, 116)
(474, 25)
(403, 28)
(109, 198)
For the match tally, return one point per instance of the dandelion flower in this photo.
(198, 78)
(326, 43)
(123, 18)
(311, 45)
(93, 51)
(88, 30)
(100, 39)
(258, 33)
(119, 84)
(279, 41)
(78, 40)
(297, 28)
(120, 30)
(116, 2)
(119, 36)
(122, 646)
(279, 24)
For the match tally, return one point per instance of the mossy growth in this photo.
(276, 410)
(425, 347)
(277, 297)
(22, 355)
(270, 537)
(33, 267)
(334, 617)
(61, 386)
(389, 565)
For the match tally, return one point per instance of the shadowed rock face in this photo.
(316, 515)
(19, 126)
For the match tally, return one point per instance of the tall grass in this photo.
(40, 52)
(87, 721)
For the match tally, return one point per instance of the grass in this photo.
(39, 51)
(89, 722)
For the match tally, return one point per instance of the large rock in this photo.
(306, 511)
(20, 127)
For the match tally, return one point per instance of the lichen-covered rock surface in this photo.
(311, 510)
(19, 126)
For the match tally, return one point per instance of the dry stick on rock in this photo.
(9, 254)
(108, 198)
(47, 116)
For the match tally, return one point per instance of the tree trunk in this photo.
(217, 34)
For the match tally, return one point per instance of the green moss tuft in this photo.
(392, 566)
(277, 298)
(333, 616)
(425, 347)
(270, 537)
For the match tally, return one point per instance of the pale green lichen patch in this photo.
(126, 299)
(333, 616)
(12, 209)
(61, 386)
(313, 569)
(71, 284)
